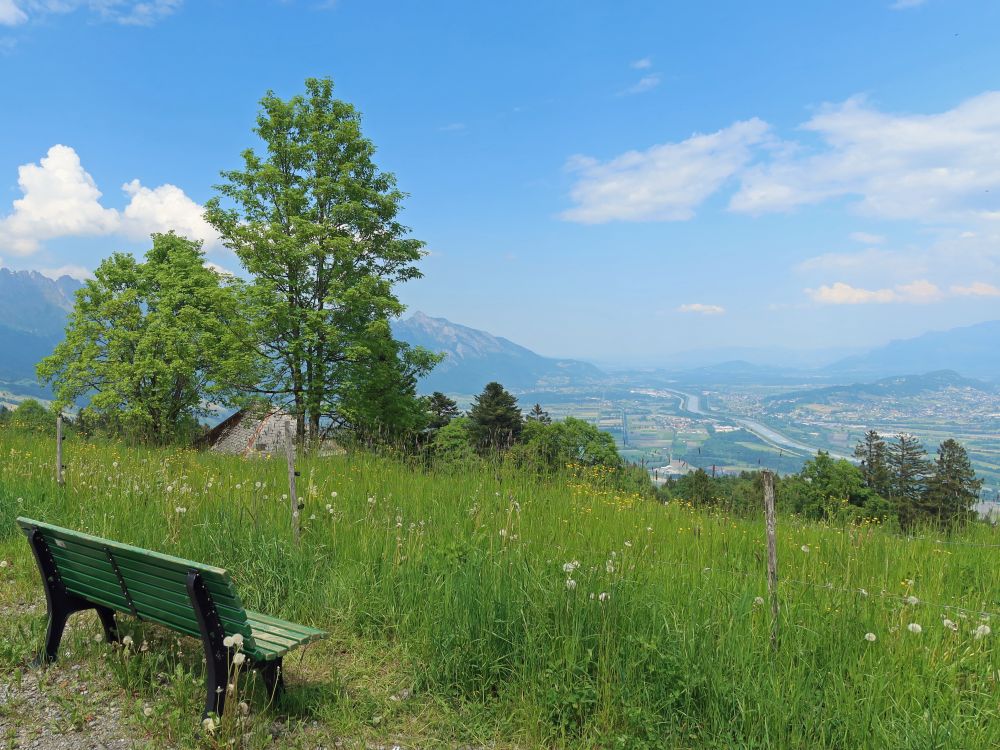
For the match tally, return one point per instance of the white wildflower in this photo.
(180, 510)
(863, 592)
(238, 659)
(609, 566)
(333, 494)
(758, 601)
(912, 600)
(98, 637)
(257, 485)
(570, 584)
(127, 641)
(604, 596)
(914, 627)
(4, 563)
(951, 625)
(805, 547)
(982, 631)
(237, 640)
(571, 566)
(870, 637)
(147, 711)
(208, 724)
(228, 641)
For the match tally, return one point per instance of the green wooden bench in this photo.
(80, 572)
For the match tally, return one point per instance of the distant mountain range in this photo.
(972, 350)
(896, 387)
(473, 358)
(33, 312)
(34, 309)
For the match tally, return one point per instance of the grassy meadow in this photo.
(492, 609)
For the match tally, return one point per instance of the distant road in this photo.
(692, 404)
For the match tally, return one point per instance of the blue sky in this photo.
(616, 181)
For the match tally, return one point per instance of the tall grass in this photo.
(574, 613)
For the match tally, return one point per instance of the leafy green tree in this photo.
(829, 489)
(152, 343)
(379, 400)
(316, 225)
(495, 419)
(452, 446)
(908, 470)
(441, 410)
(31, 416)
(952, 489)
(538, 414)
(873, 453)
(550, 446)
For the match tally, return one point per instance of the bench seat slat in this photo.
(291, 627)
(151, 601)
(220, 586)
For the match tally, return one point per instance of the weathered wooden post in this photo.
(292, 494)
(59, 442)
(772, 552)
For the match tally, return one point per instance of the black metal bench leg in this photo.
(108, 621)
(212, 634)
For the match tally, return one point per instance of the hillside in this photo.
(972, 351)
(474, 358)
(33, 310)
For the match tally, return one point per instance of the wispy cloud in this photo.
(866, 238)
(644, 84)
(839, 293)
(452, 127)
(125, 12)
(643, 63)
(701, 309)
(924, 167)
(904, 4)
(663, 183)
(976, 289)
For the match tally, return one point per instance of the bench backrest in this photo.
(103, 571)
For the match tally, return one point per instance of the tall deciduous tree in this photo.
(151, 343)
(495, 418)
(953, 488)
(316, 224)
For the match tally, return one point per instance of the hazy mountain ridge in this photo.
(970, 350)
(897, 387)
(474, 358)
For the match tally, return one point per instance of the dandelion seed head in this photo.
(805, 547)
(914, 627)
(950, 624)
(570, 584)
(982, 631)
(758, 600)
(870, 637)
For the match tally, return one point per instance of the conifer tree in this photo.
(441, 409)
(496, 419)
(538, 414)
(873, 453)
(908, 470)
(953, 488)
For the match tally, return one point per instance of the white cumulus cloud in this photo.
(61, 199)
(701, 309)
(163, 209)
(663, 183)
(644, 84)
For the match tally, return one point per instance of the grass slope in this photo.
(453, 621)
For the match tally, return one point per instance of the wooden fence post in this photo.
(292, 494)
(59, 458)
(772, 552)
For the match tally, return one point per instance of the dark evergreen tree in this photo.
(908, 470)
(441, 409)
(496, 419)
(538, 414)
(874, 456)
(953, 488)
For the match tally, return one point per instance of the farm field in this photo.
(491, 609)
